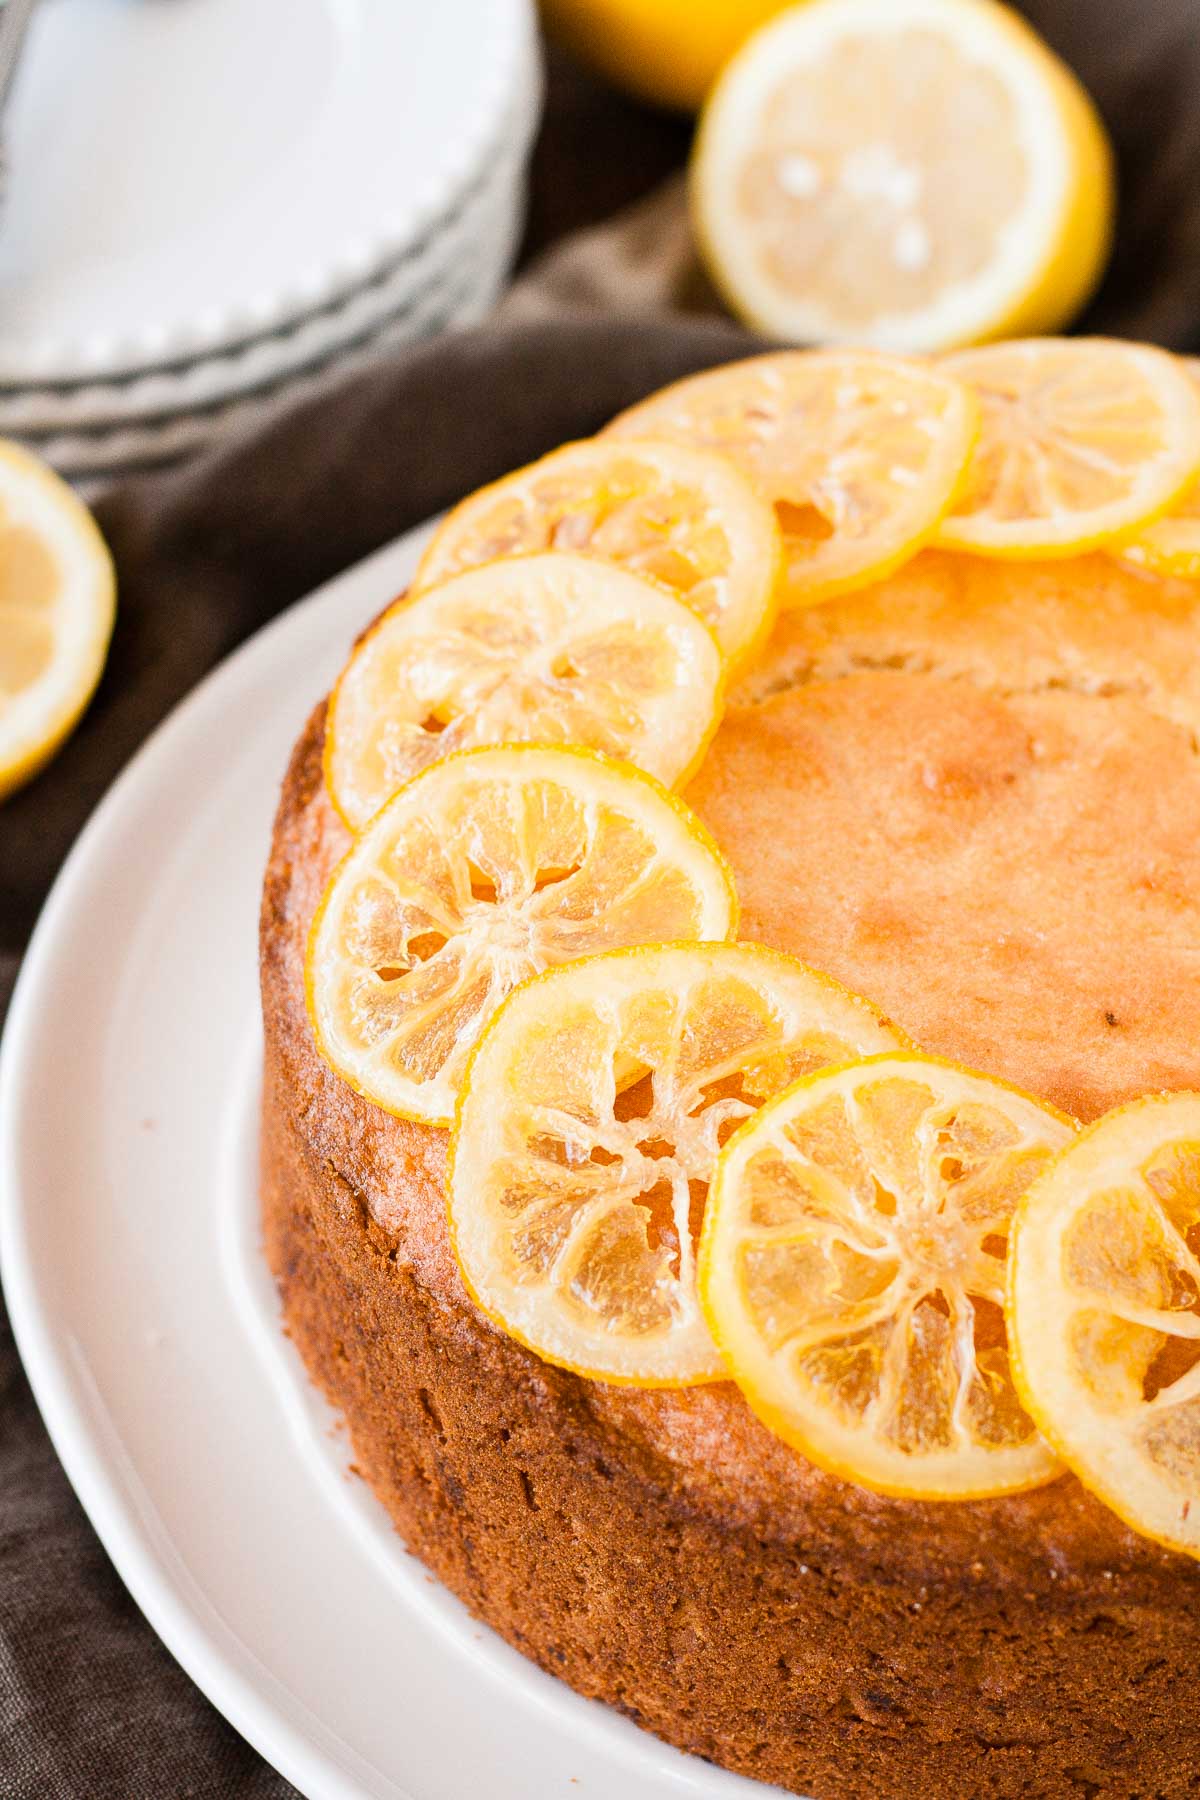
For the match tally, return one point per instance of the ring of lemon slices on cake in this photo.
(678, 1155)
(806, 1205)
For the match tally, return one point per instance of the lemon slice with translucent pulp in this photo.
(482, 871)
(1084, 440)
(57, 605)
(593, 1110)
(859, 454)
(539, 649)
(685, 517)
(853, 1269)
(913, 176)
(1171, 544)
(1104, 1313)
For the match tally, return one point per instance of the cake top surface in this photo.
(1015, 881)
(992, 830)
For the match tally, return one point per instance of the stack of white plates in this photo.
(214, 206)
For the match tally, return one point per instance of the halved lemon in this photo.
(686, 517)
(852, 1271)
(860, 454)
(482, 871)
(913, 176)
(555, 648)
(1170, 545)
(1084, 440)
(1104, 1313)
(586, 1133)
(57, 605)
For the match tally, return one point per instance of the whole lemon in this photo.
(667, 51)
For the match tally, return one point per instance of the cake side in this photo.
(576, 1547)
(663, 1552)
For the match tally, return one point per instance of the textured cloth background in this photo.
(91, 1706)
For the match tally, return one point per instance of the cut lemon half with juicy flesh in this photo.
(57, 603)
(1104, 1313)
(592, 1113)
(539, 649)
(913, 176)
(859, 454)
(484, 870)
(686, 517)
(1171, 544)
(1084, 440)
(852, 1269)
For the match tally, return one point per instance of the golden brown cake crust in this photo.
(661, 1551)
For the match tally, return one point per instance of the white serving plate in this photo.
(129, 1246)
(107, 455)
(187, 176)
(265, 361)
(459, 292)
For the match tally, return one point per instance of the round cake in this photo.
(971, 792)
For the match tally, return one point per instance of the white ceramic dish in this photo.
(129, 1248)
(107, 455)
(185, 177)
(459, 293)
(263, 362)
(94, 465)
(104, 457)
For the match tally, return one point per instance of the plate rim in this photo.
(295, 345)
(452, 296)
(280, 1718)
(49, 360)
(188, 1639)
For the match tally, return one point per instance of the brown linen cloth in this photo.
(91, 1706)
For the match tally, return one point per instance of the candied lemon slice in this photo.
(586, 1133)
(57, 605)
(860, 454)
(1083, 440)
(1171, 544)
(828, 186)
(1104, 1312)
(852, 1270)
(686, 517)
(484, 870)
(555, 648)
